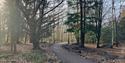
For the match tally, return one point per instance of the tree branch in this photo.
(50, 10)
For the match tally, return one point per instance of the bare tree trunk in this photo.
(35, 38)
(82, 23)
(114, 33)
(7, 37)
(35, 42)
(25, 40)
(68, 38)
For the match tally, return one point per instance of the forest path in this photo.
(67, 56)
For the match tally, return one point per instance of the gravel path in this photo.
(68, 57)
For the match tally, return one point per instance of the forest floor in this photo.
(25, 54)
(100, 55)
(58, 53)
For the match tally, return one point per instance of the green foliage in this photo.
(90, 27)
(106, 35)
(90, 37)
(74, 26)
(70, 30)
(107, 32)
(73, 22)
(35, 56)
(121, 29)
(71, 2)
(5, 55)
(72, 18)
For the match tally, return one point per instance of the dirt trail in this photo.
(68, 57)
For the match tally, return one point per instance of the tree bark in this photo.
(82, 23)
(35, 41)
(34, 37)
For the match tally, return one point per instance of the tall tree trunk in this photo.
(117, 43)
(82, 23)
(114, 26)
(99, 23)
(34, 37)
(78, 38)
(25, 40)
(35, 42)
(7, 37)
(68, 38)
(98, 39)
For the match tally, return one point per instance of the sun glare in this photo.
(2, 3)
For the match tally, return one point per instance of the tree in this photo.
(82, 23)
(90, 37)
(93, 13)
(73, 24)
(106, 35)
(121, 28)
(38, 18)
(90, 18)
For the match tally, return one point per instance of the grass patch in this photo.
(5, 55)
(34, 56)
(27, 57)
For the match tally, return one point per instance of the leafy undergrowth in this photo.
(27, 57)
(100, 55)
(25, 54)
(34, 57)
